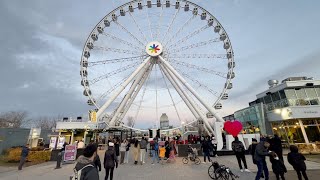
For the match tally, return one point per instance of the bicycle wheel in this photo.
(211, 172)
(197, 161)
(185, 160)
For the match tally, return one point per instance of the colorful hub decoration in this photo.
(154, 48)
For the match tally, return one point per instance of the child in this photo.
(278, 167)
(296, 159)
(162, 151)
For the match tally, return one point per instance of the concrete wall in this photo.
(13, 137)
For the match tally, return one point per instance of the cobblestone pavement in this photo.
(168, 171)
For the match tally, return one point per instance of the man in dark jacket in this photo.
(205, 146)
(110, 161)
(277, 146)
(24, 155)
(252, 150)
(86, 165)
(296, 159)
(260, 158)
(97, 162)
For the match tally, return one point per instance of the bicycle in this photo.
(193, 157)
(220, 172)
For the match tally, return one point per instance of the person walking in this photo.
(278, 166)
(117, 147)
(127, 152)
(239, 150)
(97, 162)
(277, 146)
(143, 150)
(252, 150)
(205, 146)
(85, 168)
(110, 161)
(136, 151)
(296, 159)
(24, 155)
(214, 144)
(155, 150)
(123, 147)
(162, 152)
(260, 158)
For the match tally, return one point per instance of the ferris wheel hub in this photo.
(154, 48)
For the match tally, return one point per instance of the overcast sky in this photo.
(42, 41)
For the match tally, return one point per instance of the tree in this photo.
(45, 122)
(13, 119)
(130, 121)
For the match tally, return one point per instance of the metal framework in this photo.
(128, 49)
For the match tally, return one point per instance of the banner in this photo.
(70, 153)
(53, 142)
(93, 116)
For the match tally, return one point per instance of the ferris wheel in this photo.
(149, 57)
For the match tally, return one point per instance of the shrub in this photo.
(14, 154)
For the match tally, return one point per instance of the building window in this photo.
(301, 93)
(290, 93)
(282, 94)
(275, 96)
(318, 91)
(311, 92)
(267, 99)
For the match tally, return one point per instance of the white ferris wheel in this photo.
(148, 57)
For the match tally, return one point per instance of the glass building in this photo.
(292, 109)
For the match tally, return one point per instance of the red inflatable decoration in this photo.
(233, 128)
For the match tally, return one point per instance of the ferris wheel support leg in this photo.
(132, 89)
(187, 85)
(123, 86)
(125, 99)
(193, 108)
(135, 93)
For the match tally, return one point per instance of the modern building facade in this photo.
(291, 108)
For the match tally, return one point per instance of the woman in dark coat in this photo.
(278, 166)
(110, 161)
(296, 159)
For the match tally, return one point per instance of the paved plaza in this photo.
(168, 171)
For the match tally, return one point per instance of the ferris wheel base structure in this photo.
(161, 53)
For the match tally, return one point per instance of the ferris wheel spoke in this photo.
(124, 51)
(199, 56)
(184, 82)
(120, 40)
(171, 96)
(149, 23)
(171, 23)
(102, 96)
(137, 25)
(129, 33)
(203, 69)
(108, 75)
(118, 60)
(159, 22)
(213, 92)
(195, 45)
(184, 39)
(181, 28)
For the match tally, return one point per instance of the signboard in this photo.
(70, 153)
(53, 142)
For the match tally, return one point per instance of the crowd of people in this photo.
(270, 147)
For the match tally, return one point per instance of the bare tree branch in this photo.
(13, 119)
(130, 121)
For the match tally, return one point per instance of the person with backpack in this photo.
(110, 161)
(85, 168)
(278, 166)
(155, 150)
(296, 159)
(239, 150)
